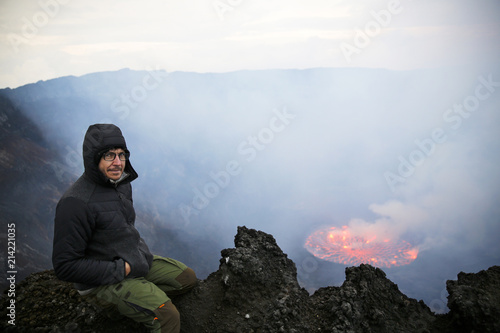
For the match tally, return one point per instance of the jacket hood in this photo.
(99, 139)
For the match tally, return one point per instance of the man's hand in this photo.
(127, 268)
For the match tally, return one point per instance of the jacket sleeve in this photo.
(73, 228)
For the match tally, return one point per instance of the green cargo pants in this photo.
(145, 299)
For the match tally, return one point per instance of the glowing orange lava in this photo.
(341, 246)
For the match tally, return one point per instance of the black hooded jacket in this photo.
(94, 232)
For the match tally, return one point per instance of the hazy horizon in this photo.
(54, 38)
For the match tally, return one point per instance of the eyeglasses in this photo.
(110, 156)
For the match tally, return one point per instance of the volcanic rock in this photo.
(255, 290)
(368, 302)
(474, 301)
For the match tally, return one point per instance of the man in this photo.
(97, 246)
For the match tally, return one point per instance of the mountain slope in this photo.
(30, 185)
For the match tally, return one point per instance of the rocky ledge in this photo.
(255, 290)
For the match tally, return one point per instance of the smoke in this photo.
(405, 154)
(394, 219)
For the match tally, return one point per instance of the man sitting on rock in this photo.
(97, 246)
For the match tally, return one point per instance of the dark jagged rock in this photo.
(368, 302)
(474, 301)
(255, 290)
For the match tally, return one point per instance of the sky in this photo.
(45, 39)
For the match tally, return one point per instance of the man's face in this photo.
(112, 169)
